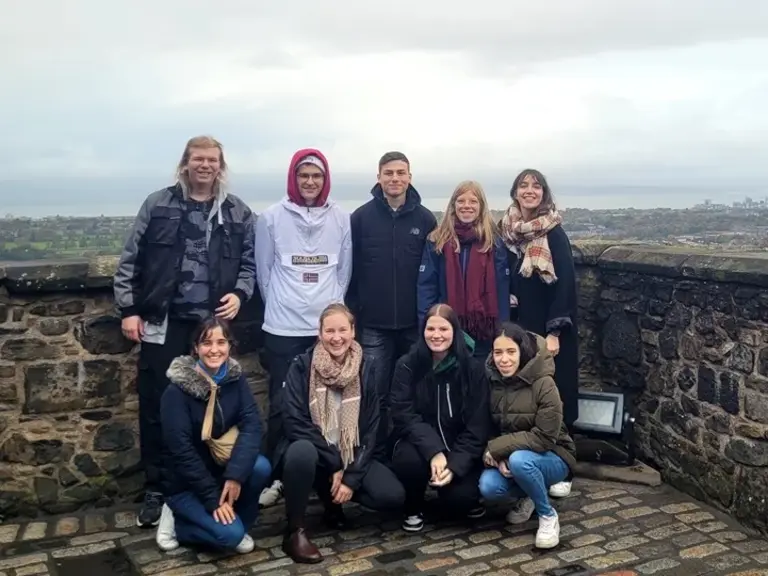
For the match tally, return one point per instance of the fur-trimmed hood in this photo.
(182, 372)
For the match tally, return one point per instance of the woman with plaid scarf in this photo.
(543, 284)
(331, 419)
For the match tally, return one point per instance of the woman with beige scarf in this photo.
(331, 418)
(543, 285)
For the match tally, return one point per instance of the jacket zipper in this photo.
(439, 423)
(394, 266)
(448, 396)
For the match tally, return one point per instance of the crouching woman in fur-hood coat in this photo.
(530, 451)
(331, 419)
(210, 498)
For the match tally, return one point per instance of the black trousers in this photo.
(301, 472)
(386, 347)
(280, 352)
(458, 497)
(151, 382)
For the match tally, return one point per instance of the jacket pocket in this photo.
(163, 230)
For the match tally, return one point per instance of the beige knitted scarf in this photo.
(530, 238)
(327, 373)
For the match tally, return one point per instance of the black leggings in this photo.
(459, 497)
(379, 490)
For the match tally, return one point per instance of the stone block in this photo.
(66, 386)
(25, 349)
(102, 335)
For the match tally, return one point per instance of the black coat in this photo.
(182, 409)
(442, 410)
(387, 246)
(543, 308)
(298, 425)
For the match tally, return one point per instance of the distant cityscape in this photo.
(742, 226)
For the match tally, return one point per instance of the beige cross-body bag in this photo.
(221, 448)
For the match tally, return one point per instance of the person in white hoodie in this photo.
(303, 264)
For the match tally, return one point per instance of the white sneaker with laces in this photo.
(560, 490)
(521, 512)
(246, 545)
(414, 523)
(548, 534)
(271, 495)
(166, 531)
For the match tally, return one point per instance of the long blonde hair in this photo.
(485, 229)
(201, 142)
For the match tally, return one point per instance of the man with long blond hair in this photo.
(189, 256)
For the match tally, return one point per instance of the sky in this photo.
(645, 103)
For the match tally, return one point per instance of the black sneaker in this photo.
(413, 523)
(149, 515)
(477, 512)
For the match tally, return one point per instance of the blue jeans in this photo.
(195, 525)
(532, 475)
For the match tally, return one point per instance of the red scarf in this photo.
(472, 294)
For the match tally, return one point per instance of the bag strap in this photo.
(208, 419)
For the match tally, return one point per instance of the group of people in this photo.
(402, 353)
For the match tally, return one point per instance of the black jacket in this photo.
(182, 410)
(298, 425)
(387, 247)
(147, 274)
(442, 410)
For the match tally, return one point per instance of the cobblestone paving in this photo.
(606, 529)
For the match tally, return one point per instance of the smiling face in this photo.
(394, 178)
(529, 195)
(310, 179)
(337, 334)
(203, 167)
(506, 356)
(438, 334)
(467, 207)
(213, 349)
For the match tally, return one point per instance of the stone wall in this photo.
(686, 336)
(68, 404)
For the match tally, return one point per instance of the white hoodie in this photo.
(303, 264)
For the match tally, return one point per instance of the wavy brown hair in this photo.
(485, 229)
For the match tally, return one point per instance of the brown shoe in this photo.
(299, 547)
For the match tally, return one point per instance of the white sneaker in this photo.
(246, 545)
(271, 495)
(560, 490)
(166, 531)
(548, 534)
(521, 512)
(413, 523)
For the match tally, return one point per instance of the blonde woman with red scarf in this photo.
(465, 266)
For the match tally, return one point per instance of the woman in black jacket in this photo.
(440, 411)
(331, 418)
(543, 285)
(211, 498)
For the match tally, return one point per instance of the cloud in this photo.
(581, 88)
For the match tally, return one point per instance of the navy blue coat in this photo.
(431, 288)
(191, 466)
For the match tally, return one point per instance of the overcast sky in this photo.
(670, 91)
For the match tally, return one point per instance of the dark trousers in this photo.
(151, 382)
(280, 352)
(195, 525)
(379, 490)
(386, 347)
(458, 497)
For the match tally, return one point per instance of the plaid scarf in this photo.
(531, 238)
(327, 373)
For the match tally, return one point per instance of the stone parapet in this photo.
(684, 334)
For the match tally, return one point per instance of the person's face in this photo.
(203, 166)
(506, 356)
(310, 180)
(467, 207)
(394, 178)
(337, 334)
(213, 350)
(529, 194)
(438, 334)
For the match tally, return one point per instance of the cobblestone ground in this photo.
(606, 529)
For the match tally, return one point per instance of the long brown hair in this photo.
(547, 199)
(485, 229)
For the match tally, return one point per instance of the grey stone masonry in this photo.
(607, 529)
